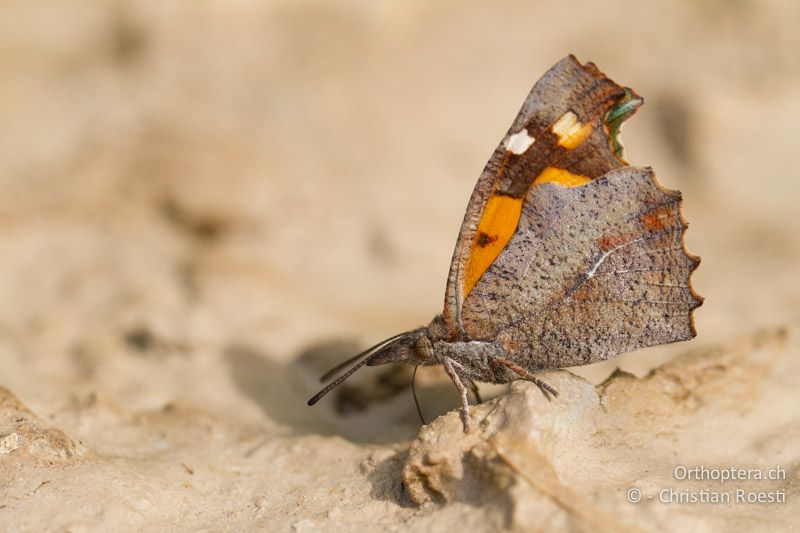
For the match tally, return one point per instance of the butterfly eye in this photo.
(423, 348)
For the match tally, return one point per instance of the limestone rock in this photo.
(571, 462)
(194, 193)
(26, 437)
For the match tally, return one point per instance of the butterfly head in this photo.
(412, 347)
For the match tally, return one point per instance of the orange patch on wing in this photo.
(498, 223)
(570, 131)
(560, 176)
(609, 242)
(657, 220)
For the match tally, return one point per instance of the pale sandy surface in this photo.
(203, 205)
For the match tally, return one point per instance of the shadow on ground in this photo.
(375, 405)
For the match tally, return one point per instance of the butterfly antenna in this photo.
(338, 368)
(318, 396)
(414, 392)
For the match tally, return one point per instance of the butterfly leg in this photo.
(474, 388)
(546, 389)
(462, 390)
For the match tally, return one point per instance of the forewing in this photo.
(591, 272)
(564, 133)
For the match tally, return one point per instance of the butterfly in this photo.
(567, 255)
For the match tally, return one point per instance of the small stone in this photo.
(9, 443)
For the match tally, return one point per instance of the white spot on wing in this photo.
(567, 125)
(519, 142)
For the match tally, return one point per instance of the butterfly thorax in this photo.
(473, 359)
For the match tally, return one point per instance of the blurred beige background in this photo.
(194, 193)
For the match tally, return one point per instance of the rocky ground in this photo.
(203, 206)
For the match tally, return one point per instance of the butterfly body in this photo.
(567, 255)
(472, 358)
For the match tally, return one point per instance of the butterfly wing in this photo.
(565, 133)
(591, 272)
